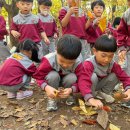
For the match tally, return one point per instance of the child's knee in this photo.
(53, 76)
(70, 78)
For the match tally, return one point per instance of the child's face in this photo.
(103, 58)
(25, 7)
(98, 10)
(64, 63)
(27, 53)
(44, 9)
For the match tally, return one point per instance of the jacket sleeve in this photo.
(3, 30)
(121, 75)
(78, 72)
(40, 26)
(122, 34)
(85, 82)
(41, 73)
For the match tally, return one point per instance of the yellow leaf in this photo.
(82, 106)
(76, 108)
(113, 127)
(74, 122)
(17, 56)
(103, 24)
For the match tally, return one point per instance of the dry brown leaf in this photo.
(27, 123)
(20, 114)
(64, 122)
(19, 119)
(74, 122)
(44, 123)
(102, 118)
(107, 108)
(19, 109)
(2, 92)
(119, 96)
(113, 127)
(90, 122)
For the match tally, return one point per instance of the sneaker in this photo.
(24, 94)
(108, 98)
(11, 95)
(126, 104)
(51, 105)
(70, 101)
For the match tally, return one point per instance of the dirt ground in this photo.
(31, 114)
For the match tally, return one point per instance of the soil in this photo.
(31, 114)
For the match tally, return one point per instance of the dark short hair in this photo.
(45, 2)
(116, 21)
(29, 45)
(31, 1)
(69, 46)
(1, 4)
(106, 43)
(97, 2)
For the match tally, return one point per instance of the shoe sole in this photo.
(24, 97)
(52, 109)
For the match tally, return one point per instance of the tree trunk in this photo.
(12, 11)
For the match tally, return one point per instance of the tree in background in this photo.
(113, 8)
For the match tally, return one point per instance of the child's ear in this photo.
(17, 4)
(94, 50)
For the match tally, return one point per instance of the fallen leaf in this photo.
(102, 118)
(107, 108)
(64, 122)
(74, 122)
(20, 114)
(19, 109)
(90, 122)
(19, 119)
(2, 92)
(44, 123)
(119, 96)
(82, 106)
(113, 127)
(76, 108)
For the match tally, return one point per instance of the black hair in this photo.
(1, 4)
(69, 46)
(97, 2)
(31, 1)
(29, 45)
(45, 2)
(116, 21)
(106, 43)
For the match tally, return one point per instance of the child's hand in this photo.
(96, 21)
(122, 55)
(73, 10)
(47, 41)
(128, 94)
(66, 92)
(95, 102)
(50, 91)
(108, 31)
(55, 35)
(15, 34)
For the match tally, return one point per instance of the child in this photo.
(73, 21)
(123, 41)
(49, 25)
(115, 26)
(101, 73)
(16, 72)
(26, 25)
(60, 69)
(4, 51)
